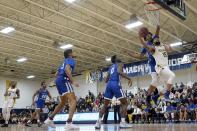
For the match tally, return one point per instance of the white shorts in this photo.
(9, 103)
(155, 79)
(165, 74)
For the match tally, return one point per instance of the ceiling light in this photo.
(108, 59)
(67, 46)
(7, 30)
(176, 44)
(70, 1)
(133, 24)
(30, 77)
(23, 59)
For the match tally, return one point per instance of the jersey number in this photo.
(165, 54)
(44, 96)
(112, 70)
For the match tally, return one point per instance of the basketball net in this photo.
(152, 13)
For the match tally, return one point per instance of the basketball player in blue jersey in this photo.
(64, 82)
(151, 61)
(41, 94)
(114, 88)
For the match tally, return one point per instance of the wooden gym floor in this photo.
(111, 127)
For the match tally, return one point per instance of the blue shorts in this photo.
(40, 104)
(63, 86)
(113, 89)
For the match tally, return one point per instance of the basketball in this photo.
(143, 31)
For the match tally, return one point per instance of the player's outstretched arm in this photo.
(107, 78)
(68, 72)
(6, 93)
(33, 97)
(120, 68)
(136, 55)
(18, 94)
(149, 48)
(49, 94)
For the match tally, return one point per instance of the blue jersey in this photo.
(68, 61)
(42, 95)
(151, 59)
(113, 72)
(113, 85)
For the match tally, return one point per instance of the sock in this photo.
(38, 121)
(6, 122)
(69, 121)
(50, 117)
(29, 121)
(122, 119)
(99, 120)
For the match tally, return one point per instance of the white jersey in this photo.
(9, 102)
(12, 93)
(161, 56)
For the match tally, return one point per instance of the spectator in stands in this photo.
(136, 114)
(169, 114)
(183, 113)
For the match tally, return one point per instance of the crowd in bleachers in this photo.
(181, 107)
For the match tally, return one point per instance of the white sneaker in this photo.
(70, 126)
(49, 123)
(98, 125)
(125, 125)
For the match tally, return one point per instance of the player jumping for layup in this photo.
(64, 82)
(159, 52)
(11, 95)
(41, 94)
(114, 88)
(151, 61)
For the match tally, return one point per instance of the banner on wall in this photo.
(142, 68)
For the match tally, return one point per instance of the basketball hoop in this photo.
(152, 12)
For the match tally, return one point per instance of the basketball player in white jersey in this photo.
(159, 52)
(11, 94)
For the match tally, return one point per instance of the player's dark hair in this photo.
(42, 83)
(114, 59)
(149, 33)
(67, 52)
